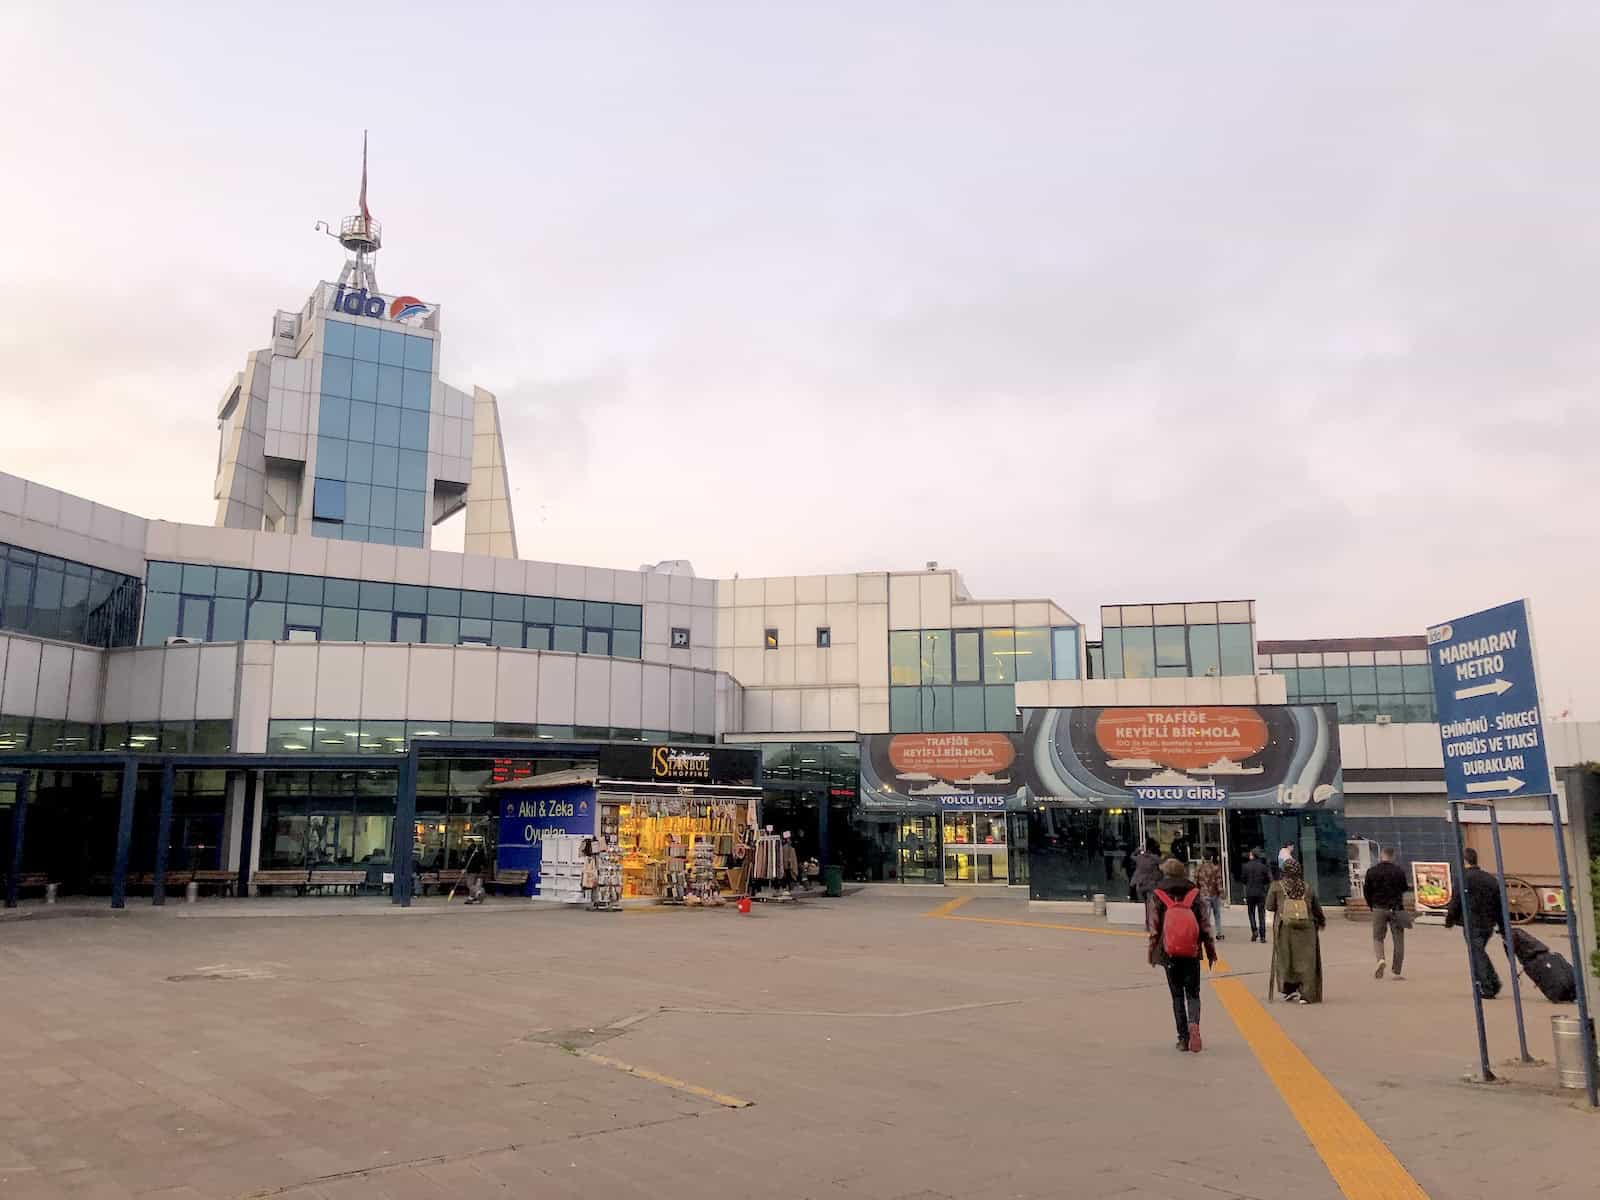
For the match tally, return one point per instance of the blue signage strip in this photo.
(969, 802)
(1487, 694)
(527, 816)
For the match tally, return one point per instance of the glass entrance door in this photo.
(919, 849)
(975, 849)
(1189, 835)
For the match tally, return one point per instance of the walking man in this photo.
(1208, 877)
(1482, 891)
(1385, 888)
(1257, 879)
(1180, 930)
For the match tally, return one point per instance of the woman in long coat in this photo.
(1296, 937)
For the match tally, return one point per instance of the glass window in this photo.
(1390, 679)
(999, 655)
(568, 612)
(333, 425)
(969, 710)
(358, 462)
(623, 616)
(1205, 654)
(936, 664)
(1033, 654)
(364, 343)
(409, 510)
(364, 381)
(377, 595)
(45, 620)
(408, 627)
(969, 656)
(419, 353)
(1111, 650)
(194, 617)
(1364, 709)
(443, 631)
(391, 386)
(824, 637)
(164, 577)
(567, 638)
(160, 617)
(938, 709)
(1311, 683)
(269, 585)
(1363, 679)
(1418, 678)
(199, 581)
(1238, 654)
(506, 633)
(481, 604)
(363, 420)
(597, 614)
(338, 624)
(227, 619)
(444, 602)
(416, 391)
(386, 427)
(1336, 681)
(1064, 652)
(383, 737)
(338, 337)
(391, 347)
(373, 624)
(625, 643)
(1000, 708)
(413, 430)
(905, 658)
(476, 630)
(1172, 649)
(509, 608)
(770, 640)
(1392, 705)
(536, 637)
(597, 641)
(905, 709)
(1138, 652)
(1291, 681)
(306, 616)
(335, 375)
(232, 581)
(266, 621)
(327, 502)
(305, 589)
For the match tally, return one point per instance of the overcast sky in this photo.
(1108, 303)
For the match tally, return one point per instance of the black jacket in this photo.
(1146, 871)
(1257, 879)
(1483, 895)
(1385, 886)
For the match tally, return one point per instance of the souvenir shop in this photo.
(655, 823)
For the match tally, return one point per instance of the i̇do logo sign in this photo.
(361, 304)
(1487, 694)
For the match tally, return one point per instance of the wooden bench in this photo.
(295, 879)
(343, 879)
(224, 881)
(514, 882)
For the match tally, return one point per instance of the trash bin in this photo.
(1100, 904)
(833, 881)
(1567, 1034)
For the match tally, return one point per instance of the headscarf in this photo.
(1294, 880)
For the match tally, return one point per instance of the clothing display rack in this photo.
(770, 871)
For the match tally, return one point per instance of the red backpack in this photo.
(1180, 930)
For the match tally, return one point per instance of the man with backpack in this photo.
(1180, 931)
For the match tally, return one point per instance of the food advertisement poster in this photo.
(1430, 881)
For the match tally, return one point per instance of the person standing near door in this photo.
(1180, 847)
(1146, 870)
(1208, 878)
(1257, 879)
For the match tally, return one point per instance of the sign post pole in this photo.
(1485, 1075)
(1580, 976)
(1505, 931)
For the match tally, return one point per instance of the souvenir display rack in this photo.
(606, 895)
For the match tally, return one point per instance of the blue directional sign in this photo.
(1488, 700)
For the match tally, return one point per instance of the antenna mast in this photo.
(361, 237)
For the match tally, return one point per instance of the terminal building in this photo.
(236, 698)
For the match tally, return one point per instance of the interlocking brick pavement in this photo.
(342, 1050)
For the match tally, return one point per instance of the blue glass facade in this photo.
(372, 435)
(53, 597)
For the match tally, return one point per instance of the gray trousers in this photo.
(1391, 921)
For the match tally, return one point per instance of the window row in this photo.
(1329, 683)
(222, 604)
(329, 735)
(995, 656)
(380, 465)
(363, 424)
(367, 343)
(1365, 710)
(71, 601)
(1161, 651)
(40, 734)
(391, 388)
(369, 504)
(960, 709)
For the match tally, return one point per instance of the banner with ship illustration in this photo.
(1237, 756)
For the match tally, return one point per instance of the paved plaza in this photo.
(898, 1043)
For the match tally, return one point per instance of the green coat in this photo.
(1297, 953)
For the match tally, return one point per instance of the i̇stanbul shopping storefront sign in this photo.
(1195, 756)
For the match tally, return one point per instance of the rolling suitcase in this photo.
(1527, 946)
(1553, 976)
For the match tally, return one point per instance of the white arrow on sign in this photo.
(1507, 785)
(1498, 688)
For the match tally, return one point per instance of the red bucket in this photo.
(744, 904)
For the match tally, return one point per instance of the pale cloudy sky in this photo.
(1107, 302)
